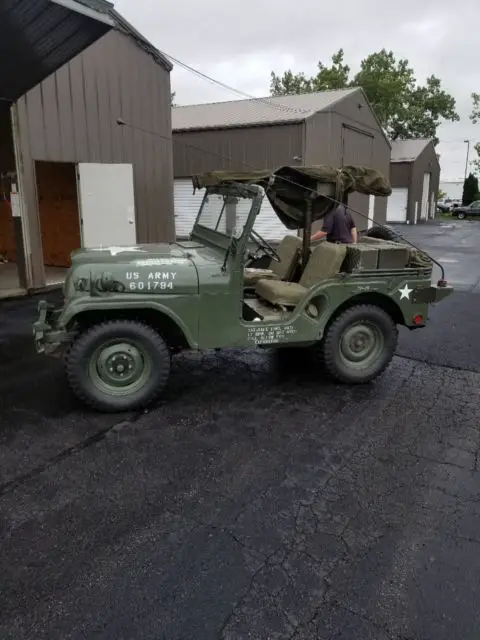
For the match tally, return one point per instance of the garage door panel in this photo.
(187, 205)
(397, 205)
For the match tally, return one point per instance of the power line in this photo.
(265, 101)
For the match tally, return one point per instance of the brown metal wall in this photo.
(401, 174)
(237, 149)
(329, 138)
(71, 117)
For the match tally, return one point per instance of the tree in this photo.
(470, 189)
(475, 115)
(441, 195)
(475, 118)
(404, 108)
(172, 99)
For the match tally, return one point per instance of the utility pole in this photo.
(467, 142)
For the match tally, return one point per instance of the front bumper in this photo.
(47, 333)
(430, 295)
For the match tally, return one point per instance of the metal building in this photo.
(415, 179)
(70, 175)
(331, 127)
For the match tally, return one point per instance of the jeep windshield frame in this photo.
(226, 216)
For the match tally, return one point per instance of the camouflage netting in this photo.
(289, 188)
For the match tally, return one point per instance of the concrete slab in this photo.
(10, 285)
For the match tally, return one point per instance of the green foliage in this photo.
(441, 195)
(475, 115)
(476, 163)
(470, 189)
(172, 99)
(404, 108)
(475, 118)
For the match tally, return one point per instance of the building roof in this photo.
(123, 25)
(408, 150)
(43, 35)
(255, 111)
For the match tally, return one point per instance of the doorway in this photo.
(58, 212)
(11, 250)
(80, 206)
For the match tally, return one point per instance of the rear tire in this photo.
(359, 344)
(382, 233)
(120, 365)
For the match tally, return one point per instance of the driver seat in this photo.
(289, 250)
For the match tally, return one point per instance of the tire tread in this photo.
(74, 373)
(328, 346)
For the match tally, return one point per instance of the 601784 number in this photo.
(150, 285)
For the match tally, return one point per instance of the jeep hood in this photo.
(288, 188)
(147, 254)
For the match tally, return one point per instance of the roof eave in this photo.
(126, 28)
(247, 125)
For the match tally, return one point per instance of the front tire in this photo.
(359, 344)
(120, 365)
(461, 216)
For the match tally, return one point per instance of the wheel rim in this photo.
(120, 367)
(361, 345)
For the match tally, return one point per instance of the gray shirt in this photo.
(338, 224)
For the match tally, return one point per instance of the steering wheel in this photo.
(263, 244)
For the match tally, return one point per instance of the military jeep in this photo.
(127, 310)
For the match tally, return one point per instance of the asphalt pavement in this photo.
(258, 499)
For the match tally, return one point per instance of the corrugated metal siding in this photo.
(242, 148)
(324, 143)
(357, 149)
(71, 117)
(356, 112)
(400, 174)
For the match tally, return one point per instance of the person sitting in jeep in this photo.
(338, 227)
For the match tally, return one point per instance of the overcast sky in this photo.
(240, 43)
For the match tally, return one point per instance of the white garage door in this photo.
(187, 205)
(397, 205)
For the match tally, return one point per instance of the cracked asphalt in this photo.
(258, 500)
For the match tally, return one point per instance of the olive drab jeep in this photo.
(128, 310)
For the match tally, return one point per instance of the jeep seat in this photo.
(289, 250)
(325, 262)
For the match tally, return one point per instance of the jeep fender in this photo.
(79, 307)
(326, 297)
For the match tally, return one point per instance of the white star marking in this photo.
(116, 250)
(405, 292)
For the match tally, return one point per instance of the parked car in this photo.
(472, 209)
(448, 205)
